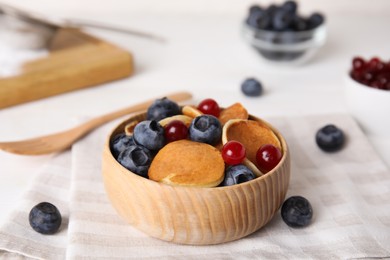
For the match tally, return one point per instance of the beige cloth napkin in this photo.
(349, 191)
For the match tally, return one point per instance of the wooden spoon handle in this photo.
(177, 97)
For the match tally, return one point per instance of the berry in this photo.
(149, 134)
(120, 142)
(255, 9)
(175, 130)
(136, 159)
(205, 129)
(45, 218)
(299, 24)
(267, 157)
(358, 63)
(330, 138)
(282, 20)
(290, 6)
(315, 20)
(297, 212)
(209, 107)
(375, 64)
(162, 108)
(374, 73)
(237, 174)
(233, 153)
(252, 87)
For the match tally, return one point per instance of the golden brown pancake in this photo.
(188, 163)
(191, 111)
(235, 111)
(252, 134)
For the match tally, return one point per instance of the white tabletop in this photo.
(205, 55)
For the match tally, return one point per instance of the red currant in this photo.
(175, 130)
(374, 63)
(358, 63)
(233, 153)
(267, 157)
(209, 107)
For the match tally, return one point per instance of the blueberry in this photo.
(136, 159)
(120, 142)
(149, 134)
(282, 20)
(162, 108)
(237, 174)
(330, 138)
(264, 22)
(205, 129)
(290, 6)
(299, 24)
(258, 18)
(254, 15)
(315, 20)
(297, 212)
(252, 87)
(45, 218)
(255, 9)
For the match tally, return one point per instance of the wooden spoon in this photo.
(62, 140)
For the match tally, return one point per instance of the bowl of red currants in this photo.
(367, 92)
(280, 35)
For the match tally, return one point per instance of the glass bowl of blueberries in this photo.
(281, 35)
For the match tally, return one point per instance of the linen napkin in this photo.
(349, 191)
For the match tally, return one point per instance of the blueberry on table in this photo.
(330, 138)
(162, 108)
(237, 174)
(149, 134)
(205, 129)
(120, 142)
(45, 218)
(297, 212)
(136, 159)
(252, 87)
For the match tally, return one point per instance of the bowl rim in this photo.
(267, 175)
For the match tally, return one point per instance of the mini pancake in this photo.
(252, 134)
(183, 118)
(235, 111)
(188, 163)
(129, 128)
(191, 111)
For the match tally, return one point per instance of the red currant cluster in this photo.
(374, 73)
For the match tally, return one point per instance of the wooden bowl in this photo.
(192, 215)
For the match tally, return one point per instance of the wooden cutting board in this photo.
(76, 60)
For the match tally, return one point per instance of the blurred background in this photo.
(90, 8)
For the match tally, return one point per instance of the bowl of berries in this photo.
(367, 93)
(196, 175)
(280, 35)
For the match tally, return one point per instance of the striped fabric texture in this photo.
(349, 191)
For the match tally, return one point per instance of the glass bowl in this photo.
(287, 47)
